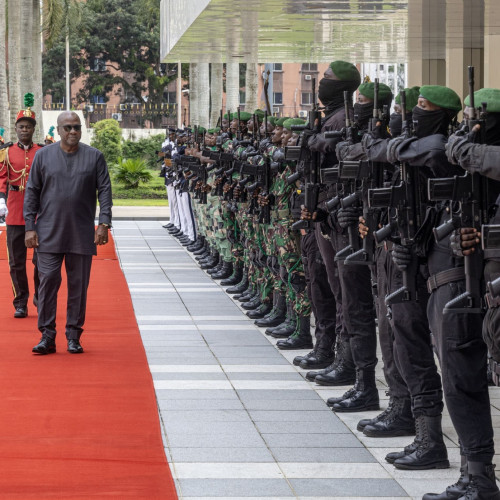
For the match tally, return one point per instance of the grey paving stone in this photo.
(236, 487)
(240, 360)
(370, 488)
(298, 395)
(286, 404)
(200, 405)
(323, 455)
(311, 440)
(237, 425)
(214, 439)
(221, 455)
(173, 359)
(305, 416)
(195, 394)
(189, 376)
(218, 417)
(334, 427)
(264, 376)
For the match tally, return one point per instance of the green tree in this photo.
(108, 139)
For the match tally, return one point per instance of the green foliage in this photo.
(131, 172)
(108, 139)
(144, 149)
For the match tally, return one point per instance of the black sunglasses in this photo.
(68, 128)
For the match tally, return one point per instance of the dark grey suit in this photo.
(60, 205)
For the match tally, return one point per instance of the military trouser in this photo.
(462, 354)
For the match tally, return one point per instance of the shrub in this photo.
(144, 148)
(108, 139)
(131, 172)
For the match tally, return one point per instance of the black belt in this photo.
(14, 188)
(449, 276)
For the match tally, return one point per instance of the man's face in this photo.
(362, 99)
(287, 134)
(234, 127)
(293, 139)
(250, 125)
(24, 131)
(426, 105)
(70, 129)
(262, 129)
(278, 133)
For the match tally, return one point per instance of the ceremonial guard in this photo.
(15, 167)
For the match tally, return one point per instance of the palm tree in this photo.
(203, 94)
(14, 58)
(37, 68)
(4, 96)
(232, 85)
(251, 87)
(215, 92)
(194, 118)
(61, 17)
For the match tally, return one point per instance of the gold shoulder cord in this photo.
(22, 173)
(3, 155)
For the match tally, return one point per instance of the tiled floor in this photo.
(239, 420)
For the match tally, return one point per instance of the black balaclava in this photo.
(363, 113)
(427, 123)
(331, 93)
(396, 122)
(492, 136)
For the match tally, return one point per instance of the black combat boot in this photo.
(204, 253)
(397, 420)
(261, 311)
(197, 245)
(241, 286)
(430, 452)
(341, 372)
(248, 295)
(253, 303)
(217, 268)
(324, 354)
(365, 397)
(203, 250)
(285, 329)
(370, 421)
(301, 338)
(277, 315)
(482, 483)
(235, 278)
(331, 402)
(225, 272)
(212, 261)
(456, 490)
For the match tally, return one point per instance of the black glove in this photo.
(401, 256)
(348, 216)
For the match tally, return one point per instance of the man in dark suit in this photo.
(59, 210)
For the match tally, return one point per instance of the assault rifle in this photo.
(473, 195)
(406, 202)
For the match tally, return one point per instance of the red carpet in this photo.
(80, 426)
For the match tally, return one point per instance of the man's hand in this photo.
(31, 239)
(362, 228)
(101, 235)
(348, 216)
(401, 256)
(3, 208)
(464, 241)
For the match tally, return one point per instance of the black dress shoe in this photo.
(35, 301)
(21, 312)
(74, 346)
(168, 226)
(45, 346)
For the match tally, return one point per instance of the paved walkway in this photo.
(239, 420)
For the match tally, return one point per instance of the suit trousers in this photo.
(78, 275)
(172, 203)
(17, 251)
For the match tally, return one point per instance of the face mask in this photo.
(492, 129)
(427, 123)
(395, 124)
(363, 113)
(331, 93)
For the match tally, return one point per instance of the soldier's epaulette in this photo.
(3, 151)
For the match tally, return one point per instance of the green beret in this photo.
(490, 96)
(441, 96)
(346, 72)
(280, 121)
(272, 120)
(244, 116)
(215, 130)
(293, 121)
(228, 118)
(368, 90)
(259, 114)
(411, 97)
(201, 130)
